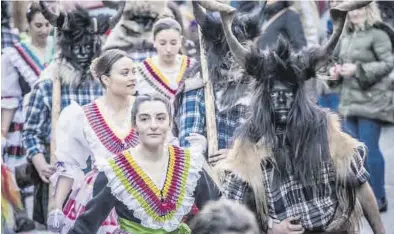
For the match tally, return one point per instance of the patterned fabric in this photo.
(8, 39)
(141, 55)
(157, 80)
(156, 208)
(36, 135)
(21, 70)
(287, 198)
(81, 195)
(76, 205)
(159, 204)
(31, 60)
(191, 119)
(37, 128)
(107, 137)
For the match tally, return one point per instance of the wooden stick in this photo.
(210, 115)
(56, 109)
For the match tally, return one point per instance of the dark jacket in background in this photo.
(288, 25)
(387, 11)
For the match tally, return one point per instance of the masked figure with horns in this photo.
(78, 38)
(134, 32)
(291, 163)
(230, 83)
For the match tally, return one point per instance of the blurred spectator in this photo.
(279, 19)
(224, 217)
(328, 94)
(387, 11)
(22, 64)
(364, 62)
(8, 38)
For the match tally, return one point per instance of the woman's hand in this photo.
(55, 221)
(287, 226)
(44, 169)
(197, 141)
(348, 70)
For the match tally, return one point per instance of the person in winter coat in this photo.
(365, 52)
(282, 21)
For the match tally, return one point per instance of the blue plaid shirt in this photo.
(8, 38)
(141, 55)
(37, 127)
(191, 119)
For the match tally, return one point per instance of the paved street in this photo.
(387, 146)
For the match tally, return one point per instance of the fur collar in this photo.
(69, 75)
(243, 157)
(120, 37)
(192, 83)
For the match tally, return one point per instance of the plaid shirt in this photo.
(191, 119)
(37, 128)
(290, 198)
(141, 55)
(8, 38)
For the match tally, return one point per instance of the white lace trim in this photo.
(119, 191)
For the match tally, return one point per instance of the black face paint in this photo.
(83, 54)
(282, 98)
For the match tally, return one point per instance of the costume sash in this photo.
(28, 56)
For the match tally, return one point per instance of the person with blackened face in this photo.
(291, 163)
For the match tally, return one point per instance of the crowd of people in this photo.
(196, 116)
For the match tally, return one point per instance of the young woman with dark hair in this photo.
(154, 186)
(162, 73)
(22, 64)
(99, 130)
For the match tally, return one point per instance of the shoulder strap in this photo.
(273, 18)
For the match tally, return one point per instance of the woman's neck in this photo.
(38, 45)
(117, 103)
(154, 154)
(168, 64)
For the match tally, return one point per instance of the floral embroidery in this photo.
(105, 134)
(161, 205)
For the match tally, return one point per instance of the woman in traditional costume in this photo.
(21, 67)
(162, 73)
(100, 130)
(153, 186)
